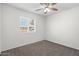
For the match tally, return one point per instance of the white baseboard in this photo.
(21, 45)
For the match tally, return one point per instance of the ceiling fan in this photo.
(46, 7)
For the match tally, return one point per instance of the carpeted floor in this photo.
(42, 48)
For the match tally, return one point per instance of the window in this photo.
(27, 25)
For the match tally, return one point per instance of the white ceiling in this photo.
(33, 6)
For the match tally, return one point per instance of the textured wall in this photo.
(63, 28)
(12, 37)
(0, 25)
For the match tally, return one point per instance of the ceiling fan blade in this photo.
(53, 3)
(53, 9)
(42, 3)
(45, 4)
(48, 3)
(38, 9)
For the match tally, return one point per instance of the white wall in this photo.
(12, 37)
(0, 25)
(63, 28)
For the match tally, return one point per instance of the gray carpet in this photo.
(41, 48)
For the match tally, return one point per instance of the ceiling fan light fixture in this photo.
(46, 10)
